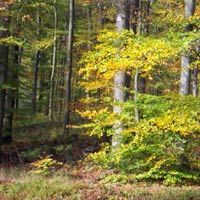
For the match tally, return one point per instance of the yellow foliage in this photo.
(122, 51)
(44, 165)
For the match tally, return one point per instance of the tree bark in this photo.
(35, 80)
(186, 59)
(89, 24)
(11, 94)
(140, 18)
(3, 74)
(36, 65)
(19, 57)
(195, 82)
(52, 78)
(61, 94)
(120, 77)
(69, 67)
(134, 8)
(147, 15)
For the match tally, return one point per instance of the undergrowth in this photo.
(65, 184)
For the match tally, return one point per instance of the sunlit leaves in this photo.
(163, 146)
(125, 51)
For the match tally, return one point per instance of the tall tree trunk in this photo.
(146, 15)
(11, 94)
(52, 78)
(69, 67)
(121, 77)
(89, 27)
(35, 74)
(137, 27)
(136, 79)
(3, 73)
(186, 59)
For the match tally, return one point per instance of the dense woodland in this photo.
(112, 83)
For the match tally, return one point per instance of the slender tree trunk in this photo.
(195, 90)
(134, 8)
(61, 91)
(34, 92)
(100, 8)
(42, 89)
(89, 21)
(19, 57)
(186, 59)
(137, 27)
(121, 77)
(3, 74)
(140, 18)
(136, 79)
(195, 82)
(11, 94)
(35, 79)
(89, 27)
(69, 67)
(9, 112)
(64, 63)
(142, 80)
(147, 15)
(52, 78)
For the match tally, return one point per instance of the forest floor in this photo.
(75, 179)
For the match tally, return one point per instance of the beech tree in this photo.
(186, 58)
(69, 65)
(54, 62)
(121, 78)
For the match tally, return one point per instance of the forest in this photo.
(99, 99)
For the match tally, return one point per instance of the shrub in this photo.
(163, 146)
(45, 165)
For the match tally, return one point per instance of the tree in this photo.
(69, 66)
(11, 93)
(121, 78)
(3, 74)
(36, 65)
(52, 79)
(186, 59)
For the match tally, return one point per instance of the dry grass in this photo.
(68, 184)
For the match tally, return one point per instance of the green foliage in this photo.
(164, 145)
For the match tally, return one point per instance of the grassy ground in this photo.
(83, 184)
